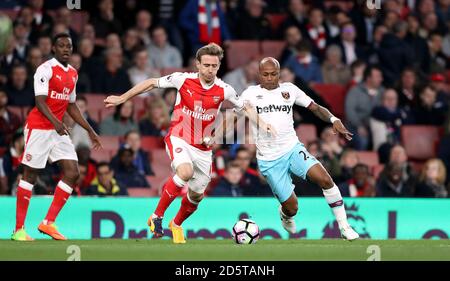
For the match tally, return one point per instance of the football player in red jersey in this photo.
(47, 138)
(199, 98)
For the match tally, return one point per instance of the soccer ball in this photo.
(245, 231)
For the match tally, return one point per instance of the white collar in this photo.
(207, 87)
(65, 68)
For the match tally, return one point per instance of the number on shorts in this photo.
(305, 157)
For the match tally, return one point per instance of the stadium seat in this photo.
(156, 183)
(306, 133)
(150, 143)
(272, 48)
(17, 110)
(334, 96)
(141, 192)
(110, 142)
(11, 13)
(94, 114)
(105, 112)
(2, 151)
(240, 52)
(276, 20)
(420, 142)
(79, 19)
(95, 101)
(370, 158)
(161, 165)
(102, 155)
(167, 71)
(376, 170)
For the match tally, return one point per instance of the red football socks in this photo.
(187, 208)
(24, 191)
(62, 194)
(169, 193)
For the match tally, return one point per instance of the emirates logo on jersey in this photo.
(65, 95)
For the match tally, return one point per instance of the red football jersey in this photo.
(196, 106)
(58, 83)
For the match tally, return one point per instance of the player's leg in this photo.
(35, 155)
(183, 167)
(288, 210)
(23, 195)
(197, 187)
(171, 190)
(62, 193)
(63, 153)
(277, 174)
(332, 194)
(304, 165)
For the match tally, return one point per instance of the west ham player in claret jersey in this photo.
(199, 98)
(282, 155)
(47, 137)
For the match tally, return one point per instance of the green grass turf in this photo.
(226, 250)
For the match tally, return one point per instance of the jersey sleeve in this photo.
(301, 98)
(73, 95)
(174, 80)
(41, 79)
(231, 96)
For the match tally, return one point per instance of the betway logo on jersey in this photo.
(274, 108)
(65, 95)
(198, 113)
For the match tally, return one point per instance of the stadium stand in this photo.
(420, 142)
(307, 133)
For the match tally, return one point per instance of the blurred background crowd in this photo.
(384, 72)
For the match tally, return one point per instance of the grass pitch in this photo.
(226, 250)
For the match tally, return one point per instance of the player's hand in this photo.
(339, 128)
(95, 139)
(270, 130)
(62, 129)
(208, 141)
(111, 101)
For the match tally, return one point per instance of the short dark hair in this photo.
(102, 164)
(233, 164)
(368, 71)
(212, 49)
(304, 46)
(360, 166)
(133, 131)
(60, 35)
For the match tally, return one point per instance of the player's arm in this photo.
(74, 112)
(140, 88)
(327, 116)
(257, 120)
(242, 105)
(42, 106)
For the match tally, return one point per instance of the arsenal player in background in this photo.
(47, 138)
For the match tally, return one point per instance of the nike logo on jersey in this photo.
(274, 108)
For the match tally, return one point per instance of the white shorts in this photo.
(43, 145)
(181, 152)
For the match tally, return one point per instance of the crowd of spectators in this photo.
(393, 62)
